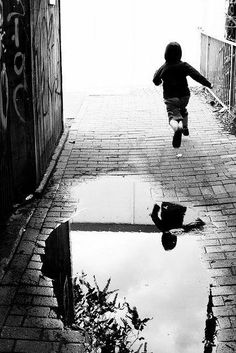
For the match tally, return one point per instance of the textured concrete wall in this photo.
(47, 82)
(30, 94)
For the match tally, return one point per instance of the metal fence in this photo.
(218, 65)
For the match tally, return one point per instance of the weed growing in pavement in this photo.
(109, 326)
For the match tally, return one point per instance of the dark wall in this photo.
(47, 82)
(18, 66)
(31, 120)
(6, 195)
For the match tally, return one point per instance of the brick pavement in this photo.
(127, 135)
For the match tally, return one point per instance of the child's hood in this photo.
(173, 53)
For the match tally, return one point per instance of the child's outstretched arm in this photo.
(194, 74)
(157, 77)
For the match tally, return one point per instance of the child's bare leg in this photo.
(177, 126)
(181, 124)
(174, 124)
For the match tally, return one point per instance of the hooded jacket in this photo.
(173, 73)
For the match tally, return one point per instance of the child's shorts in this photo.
(176, 107)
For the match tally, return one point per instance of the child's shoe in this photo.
(176, 142)
(185, 131)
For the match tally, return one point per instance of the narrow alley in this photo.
(127, 136)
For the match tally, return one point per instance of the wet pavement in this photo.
(116, 164)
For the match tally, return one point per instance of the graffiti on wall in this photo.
(13, 55)
(4, 90)
(47, 67)
(30, 93)
(19, 57)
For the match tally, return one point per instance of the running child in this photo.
(173, 73)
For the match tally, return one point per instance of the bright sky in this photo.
(118, 43)
(162, 284)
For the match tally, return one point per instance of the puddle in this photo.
(170, 287)
(114, 199)
(114, 237)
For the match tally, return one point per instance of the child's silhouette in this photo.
(173, 73)
(173, 216)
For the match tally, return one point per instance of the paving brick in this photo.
(6, 345)
(224, 281)
(225, 311)
(34, 265)
(7, 294)
(72, 348)
(219, 272)
(45, 282)
(228, 241)
(18, 309)
(12, 277)
(36, 347)
(26, 247)
(14, 320)
(67, 335)
(23, 299)
(30, 235)
(20, 333)
(223, 263)
(38, 311)
(218, 248)
(223, 290)
(3, 314)
(228, 347)
(230, 255)
(218, 189)
(19, 262)
(224, 322)
(36, 290)
(31, 277)
(45, 301)
(230, 299)
(36, 258)
(218, 301)
(43, 323)
(226, 335)
(230, 187)
(233, 321)
(214, 256)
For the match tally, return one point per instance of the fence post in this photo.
(231, 85)
(207, 55)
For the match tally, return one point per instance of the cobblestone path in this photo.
(127, 135)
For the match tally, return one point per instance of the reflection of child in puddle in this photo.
(172, 217)
(168, 240)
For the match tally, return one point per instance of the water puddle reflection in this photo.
(110, 241)
(172, 287)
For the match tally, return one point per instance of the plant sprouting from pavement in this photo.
(109, 326)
